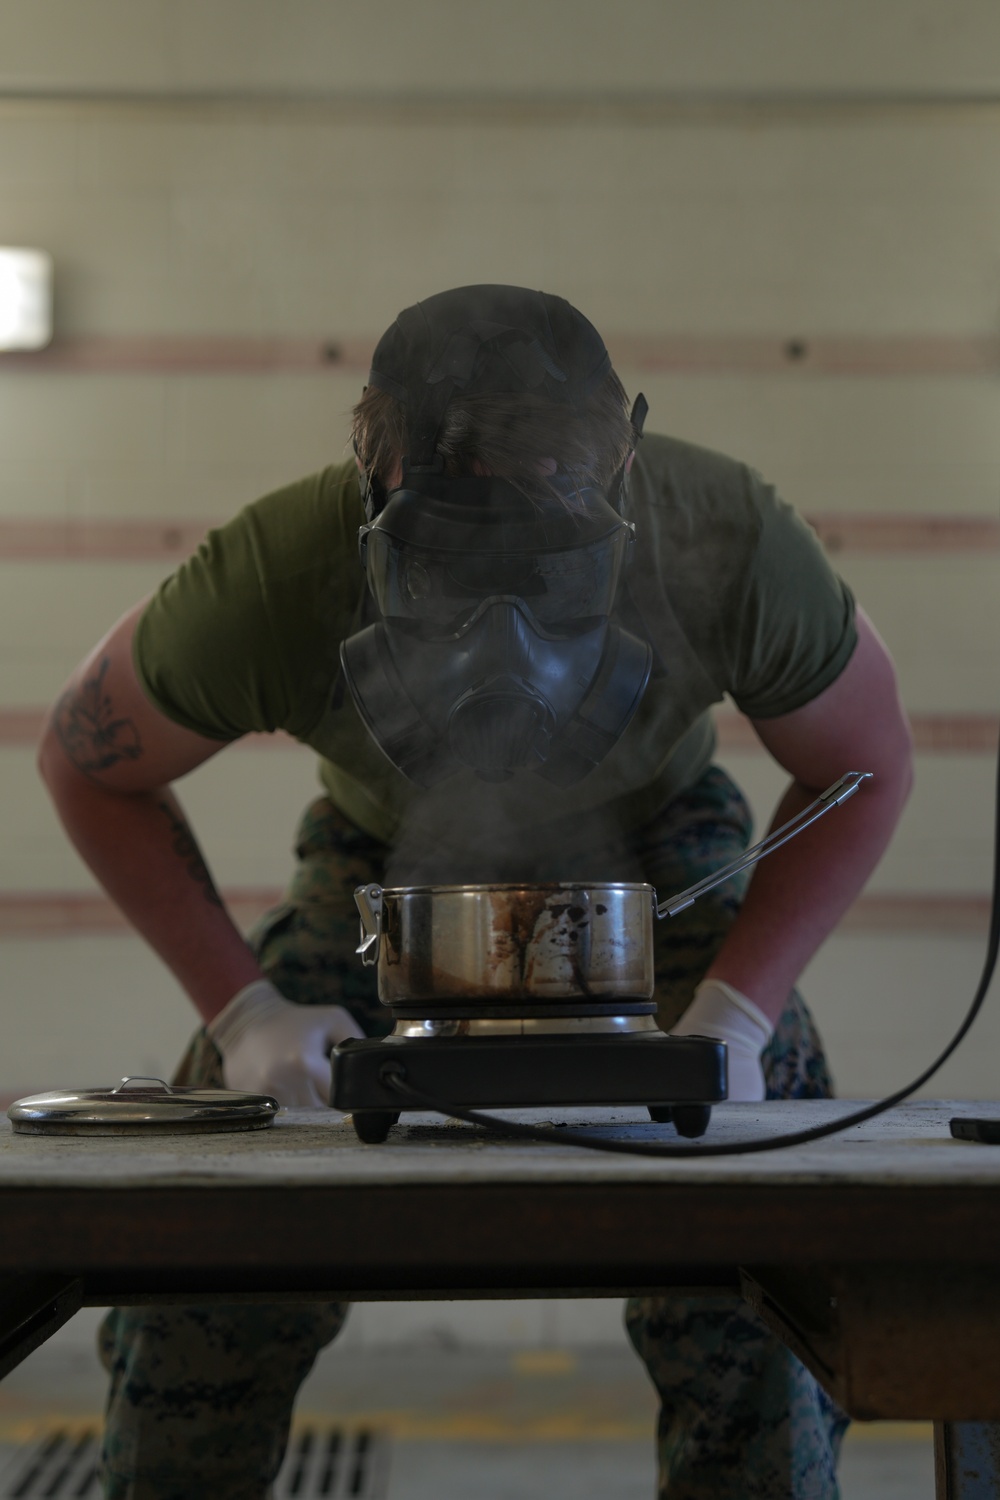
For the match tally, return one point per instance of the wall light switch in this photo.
(25, 298)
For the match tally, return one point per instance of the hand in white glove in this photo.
(270, 1046)
(721, 1012)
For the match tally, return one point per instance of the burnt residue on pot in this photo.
(538, 941)
(557, 958)
(578, 937)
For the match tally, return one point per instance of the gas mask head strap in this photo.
(618, 488)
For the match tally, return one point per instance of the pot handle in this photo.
(368, 900)
(833, 796)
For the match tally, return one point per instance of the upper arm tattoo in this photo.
(91, 735)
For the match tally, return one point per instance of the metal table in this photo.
(872, 1254)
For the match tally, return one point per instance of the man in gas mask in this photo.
(496, 647)
(513, 684)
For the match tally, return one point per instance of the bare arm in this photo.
(798, 895)
(108, 757)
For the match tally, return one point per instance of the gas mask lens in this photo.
(435, 591)
(417, 587)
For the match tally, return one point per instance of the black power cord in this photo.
(393, 1076)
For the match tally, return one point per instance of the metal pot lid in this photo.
(141, 1106)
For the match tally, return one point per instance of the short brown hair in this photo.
(510, 436)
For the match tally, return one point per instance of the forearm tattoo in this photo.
(91, 735)
(186, 848)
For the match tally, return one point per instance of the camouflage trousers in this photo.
(201, 1396)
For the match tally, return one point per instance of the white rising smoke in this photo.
(467, 831)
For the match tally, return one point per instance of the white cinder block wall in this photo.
(743, 195)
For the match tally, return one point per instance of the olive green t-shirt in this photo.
(728, 584)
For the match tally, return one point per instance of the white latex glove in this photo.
(721, 1012)
(270, 1046)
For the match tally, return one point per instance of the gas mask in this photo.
(495, 648)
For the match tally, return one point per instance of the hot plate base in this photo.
(678, 1078)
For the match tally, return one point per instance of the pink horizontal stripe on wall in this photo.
(859, 354)
(99, 541)
(905, 912)
(695, 354)
(906, 533)
(23, 726)
(20, 726)
(170, 541)
(72, 914)
(194, 354)
(934, 734)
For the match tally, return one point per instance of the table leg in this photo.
(967, 1460)
(31, 1309)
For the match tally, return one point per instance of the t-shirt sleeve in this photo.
(796, 629)
(203, 647)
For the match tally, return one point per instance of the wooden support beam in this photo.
(890, 1342)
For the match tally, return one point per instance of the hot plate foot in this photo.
(689, 1120)
(373, 1125)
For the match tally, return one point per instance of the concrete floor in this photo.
(499, 1423)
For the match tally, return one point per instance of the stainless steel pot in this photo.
(535, 949)
(510, 943)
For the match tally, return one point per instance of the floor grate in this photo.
(61, 1464)
(333, 1462)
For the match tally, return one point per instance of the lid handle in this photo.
(142, 1078)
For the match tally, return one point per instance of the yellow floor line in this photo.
(891, 1432)
(543, 1362)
